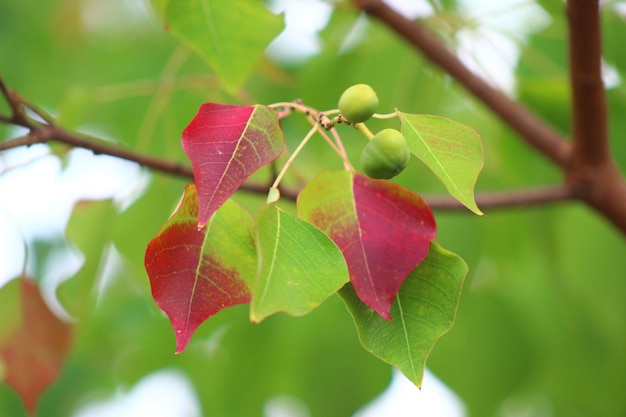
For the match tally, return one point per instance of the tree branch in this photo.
(98, 147)
(509, 199)
(534, 131)
(524, 198)
(590, 135)
(592, 171)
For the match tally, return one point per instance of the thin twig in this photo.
(10, 99)
(508, 199)
(98, 147)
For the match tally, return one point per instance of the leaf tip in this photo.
(255, 319)
(383, 311)
(182, 340)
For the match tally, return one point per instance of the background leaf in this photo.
(423, 311)
(226, 144)
(90, 229)
(453, 151)
(33, 353)
(299, 265)
(542, 308)
(230, 37)
(382, 229)
(196, 273)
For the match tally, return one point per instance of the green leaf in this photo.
(230, 35)
(299, 268)
(423, 311)
(453, 151)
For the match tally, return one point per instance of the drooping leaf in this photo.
(195, 273)
(424, 310)
(226, 144)
(299, 265)
(230, 35)
(33, 352)
(382, 229)
(453, 151)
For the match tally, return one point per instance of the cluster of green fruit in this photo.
(386, 154)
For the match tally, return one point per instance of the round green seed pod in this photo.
(358, 103)
(386, 155)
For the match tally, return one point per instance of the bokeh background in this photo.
(540, 328)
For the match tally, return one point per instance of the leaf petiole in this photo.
(293, 106)
(295, 153)
(364, 130)
(386, 115)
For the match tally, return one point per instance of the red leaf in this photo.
(34, 352)
(382, 229)
(195, 273)
(226, 144)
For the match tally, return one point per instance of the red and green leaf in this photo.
(195, 273)
(424, 310)
(34, 348)
(382, 229)
(226, 144)
(299, 265)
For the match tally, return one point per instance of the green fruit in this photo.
(386, 155)
(358, 103)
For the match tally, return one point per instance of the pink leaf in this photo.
(226, 144)
(383, 230)
(195, 273)
(33, 352)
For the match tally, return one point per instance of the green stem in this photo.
(295, 153)
(386, 115)
(364, 130)
(346, 162)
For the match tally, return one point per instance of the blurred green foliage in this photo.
(540, 326)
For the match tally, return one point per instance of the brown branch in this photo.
(590, 135)
(509, 199)
(98, 147)
(592, 171)
(524, 198)
(48, 134)
(534, 131)
(488, 200)
(12, 101)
